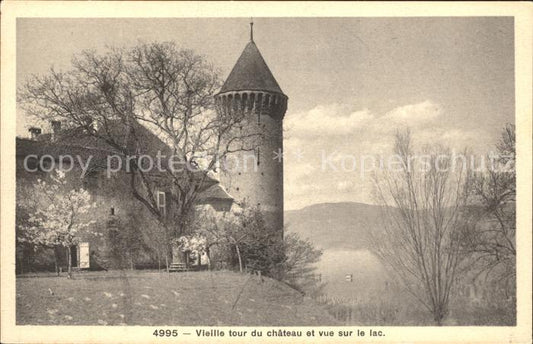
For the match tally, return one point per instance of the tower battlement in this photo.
(254, 102)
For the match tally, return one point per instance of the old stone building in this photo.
(250, 88)
(87, 164)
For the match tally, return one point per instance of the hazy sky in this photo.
(351, 81)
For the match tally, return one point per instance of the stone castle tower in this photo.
(252, 89)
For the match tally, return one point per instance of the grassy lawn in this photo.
(153, 298)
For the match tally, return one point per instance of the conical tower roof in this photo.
(251, 73)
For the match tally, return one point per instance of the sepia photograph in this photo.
(262, 176)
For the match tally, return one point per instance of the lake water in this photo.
(367, 270)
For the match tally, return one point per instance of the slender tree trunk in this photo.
(442, 313)
(438, 317)
(166, 262)
(207, 253)
(56, 261)
(69, 262)
(239, 256)
(199, 255)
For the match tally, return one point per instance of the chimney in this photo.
(56, 128)
(34, 132)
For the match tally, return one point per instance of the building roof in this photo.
(213, 193)
(251, 73)
(26, 147)
(76, 144)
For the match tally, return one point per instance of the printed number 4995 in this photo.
(165, 333)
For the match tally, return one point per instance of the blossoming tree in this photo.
(58, 218)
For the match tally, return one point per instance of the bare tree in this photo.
(423, 198)
(118, 98)
(175, 89)
(491, 235)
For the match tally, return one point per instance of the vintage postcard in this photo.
(271, 172)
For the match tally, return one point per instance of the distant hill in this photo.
(338, 226)
(342, 231)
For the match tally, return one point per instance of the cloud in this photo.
(413, 114)
(350, 135)
(336, 123)
(345, 186)
(299, 170)
(327, 120)
(337, 120)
